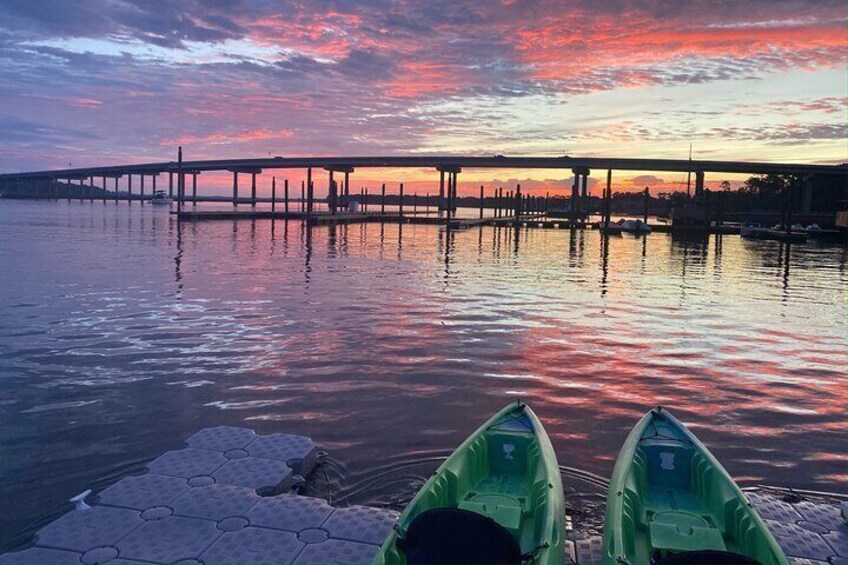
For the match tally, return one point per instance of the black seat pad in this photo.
(707, 557)
(450, 536)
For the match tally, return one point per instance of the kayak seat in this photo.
(448, 536)
(503, 509)
(684, 531)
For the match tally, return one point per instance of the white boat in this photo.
(753, 230)
(635, 226)
(161, 198)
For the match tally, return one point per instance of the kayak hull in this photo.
(669, 497)
(506, 473)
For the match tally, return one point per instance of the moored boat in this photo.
(671, 502)
(635, 227)
(497, 499)
(161, 198)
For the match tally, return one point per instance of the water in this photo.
(122, 335)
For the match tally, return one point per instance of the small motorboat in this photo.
(497, 499)
(753, 230)
(671, 502)
(635, 227)
(161, 198)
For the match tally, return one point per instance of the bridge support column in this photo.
(331, 193)
(441, 190)
(346, 190)
(575, 197)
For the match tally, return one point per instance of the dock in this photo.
(231, 496)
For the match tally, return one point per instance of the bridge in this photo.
(42, 183)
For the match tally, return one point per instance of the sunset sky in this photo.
(103, 82)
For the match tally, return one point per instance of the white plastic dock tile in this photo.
(253, 546)
(360, 523)
(142, 492)
(221, 438)
(590, 550)
(297, 451)
(215, 502)
(772, 508)
(82, 530)
(169, 540)
(187, 463)
(289, 512)
(255, 473)
(341, 552)
(798, 542)
(41, 556)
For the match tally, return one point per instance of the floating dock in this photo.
(230, 497)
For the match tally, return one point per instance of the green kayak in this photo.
(671, 502)
(497, 499)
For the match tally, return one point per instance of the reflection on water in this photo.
(123, 334)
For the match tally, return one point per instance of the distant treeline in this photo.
(827, 193)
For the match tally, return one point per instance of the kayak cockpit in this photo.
(450, 535)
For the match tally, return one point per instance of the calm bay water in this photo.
(122, 335)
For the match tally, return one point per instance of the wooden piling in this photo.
(310, 192)
(400, 201)
(235, 188)
(142, 189)
(170, 185)
(273, 196)
(366, 199)
(129, 188)
(194, 188)
(179, 181)
(286, 195)
(517, 203)
(481, 201)
(647, 201)
(788, 225)
(302, 195)
(383, 198)
(116, 190)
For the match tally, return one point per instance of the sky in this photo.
(101, 82)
